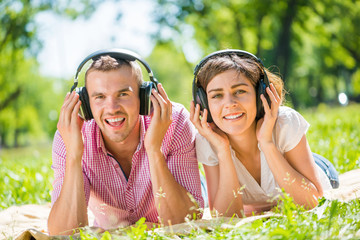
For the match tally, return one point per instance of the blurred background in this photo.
(313, 44)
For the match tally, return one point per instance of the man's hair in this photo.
(243, 65)
(107, 63)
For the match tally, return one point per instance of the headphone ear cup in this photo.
(146, 107)
(85, 110)
(201, 99)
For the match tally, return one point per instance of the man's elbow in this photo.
(56, 228)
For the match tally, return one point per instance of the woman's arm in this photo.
(222, 181)
(223, 190)
(295, 172)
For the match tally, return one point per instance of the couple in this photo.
(132, 154)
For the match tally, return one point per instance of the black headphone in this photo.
(199, 94)
(145, 88)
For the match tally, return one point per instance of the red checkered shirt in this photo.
(116, 201)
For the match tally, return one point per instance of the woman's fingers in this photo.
(196, 116)
(271, 95)
(203, 121)
(274, 99)
(265, 103)
(273, 89)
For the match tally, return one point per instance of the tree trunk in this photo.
(283, 50)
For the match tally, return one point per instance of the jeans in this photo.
(328, 168)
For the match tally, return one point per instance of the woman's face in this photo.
(232, 102)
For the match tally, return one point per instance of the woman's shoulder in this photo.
(288, 114)
(289, 128)
(289, 117)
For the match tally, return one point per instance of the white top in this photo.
(289, 128)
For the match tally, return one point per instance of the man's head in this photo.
(107, 63)
(113, 89)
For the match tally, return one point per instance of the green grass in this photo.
(26, 176)
(334, 133)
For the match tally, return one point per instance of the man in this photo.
(122, 165)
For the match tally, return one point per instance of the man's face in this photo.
(114, 102)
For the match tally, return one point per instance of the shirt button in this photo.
(131, 211)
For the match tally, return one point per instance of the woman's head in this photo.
(247, 66)
(231, 86)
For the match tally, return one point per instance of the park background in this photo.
(313, 44)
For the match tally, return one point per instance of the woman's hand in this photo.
(160, 121)
(265, 125)
(70, 124)
(217, 138)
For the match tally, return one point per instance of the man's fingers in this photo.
(76, 110)
(68, 110)
(163, 93)
(165, 105)
(192, 111)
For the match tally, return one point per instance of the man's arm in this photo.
(70, 209)
(173, 201)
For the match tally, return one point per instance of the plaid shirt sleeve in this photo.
(181, 158)
(58, 166)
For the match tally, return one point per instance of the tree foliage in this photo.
(28, 103)
(314, 44)
(173, 71)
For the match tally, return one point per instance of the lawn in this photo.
(334, 133)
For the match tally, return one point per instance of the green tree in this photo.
(306, 40)
(173, 71)
(27, 99)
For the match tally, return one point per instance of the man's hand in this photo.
(160, 121)
(70, 124)
(70, 209)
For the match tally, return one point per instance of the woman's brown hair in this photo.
(243, 65)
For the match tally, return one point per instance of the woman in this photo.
(249, 144)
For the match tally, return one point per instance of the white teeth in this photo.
(115, 120)
(233, 116)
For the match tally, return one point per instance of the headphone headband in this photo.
(116, 53)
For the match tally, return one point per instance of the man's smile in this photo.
(114, 122)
